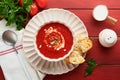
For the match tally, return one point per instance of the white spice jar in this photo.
(107, 37)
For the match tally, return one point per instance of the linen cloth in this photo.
(11, 62)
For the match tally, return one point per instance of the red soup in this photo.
(54, 40)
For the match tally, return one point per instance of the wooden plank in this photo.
(93, 26)
(101, 72)
(1, 74)
(104, 55)
(110, 57)
(88, 4)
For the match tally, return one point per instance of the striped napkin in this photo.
(15, 66)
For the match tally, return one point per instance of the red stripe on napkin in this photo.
(10, 50)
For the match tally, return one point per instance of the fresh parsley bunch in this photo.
(13, 13)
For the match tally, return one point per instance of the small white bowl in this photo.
(100, 12)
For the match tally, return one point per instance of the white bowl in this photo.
(31, 55)
(54, 59)
(61, 16)
(100, 12)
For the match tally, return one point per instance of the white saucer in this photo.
(50, 15)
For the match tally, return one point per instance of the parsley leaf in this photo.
(91, 66)
(89, 70)
(91, 62)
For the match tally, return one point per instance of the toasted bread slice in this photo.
(79, 37)
(67, 60)
(82, 45)
(76, 58)
(77, 48)
(85, 44)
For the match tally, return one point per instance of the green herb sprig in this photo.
(13, 13)
(91, 66)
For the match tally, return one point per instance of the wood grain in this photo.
(104, 72)
(1, 74)
(85, 4)
(109, 57)
(93, 26)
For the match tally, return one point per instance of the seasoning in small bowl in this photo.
(100, 13)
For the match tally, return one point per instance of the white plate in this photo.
(54, 15)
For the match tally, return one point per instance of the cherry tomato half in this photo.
(21, 2)
(33, 9)
(41, 3)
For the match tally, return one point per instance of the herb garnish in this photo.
(13, 13)
(91, 66)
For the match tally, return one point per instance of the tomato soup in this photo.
(54, 40)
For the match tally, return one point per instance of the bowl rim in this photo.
(47, 58)
(28, 46)
(85, 33)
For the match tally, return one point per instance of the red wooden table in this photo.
(109, 57)
(1, 75)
